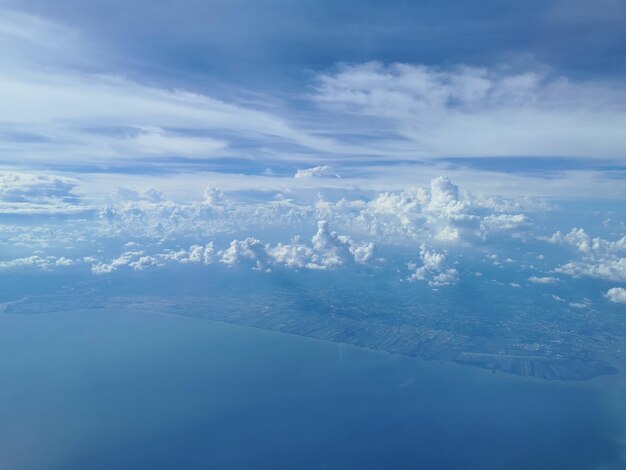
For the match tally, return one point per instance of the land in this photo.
(525, 342)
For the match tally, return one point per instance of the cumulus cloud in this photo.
(617, 295)
(434, 269)
(327, 250)
(249, 250)
(601, 258)
(139, 260)
(336, 250)
(39, 262)
(440, 214)
(578, 238)
(612, 269)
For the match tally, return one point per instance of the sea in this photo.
(122, 389)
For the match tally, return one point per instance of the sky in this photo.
(138, 134)
(453, 165)
(385, 94)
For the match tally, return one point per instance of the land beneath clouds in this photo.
(528, 340)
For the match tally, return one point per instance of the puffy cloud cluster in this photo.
(328, 250)
(617, 295)
(249, 250)
(434, 269)
(601, 258)
(139, 260)
(440, 215)
(336, 249)
(437, 215)
(40, 262)
(578, 238)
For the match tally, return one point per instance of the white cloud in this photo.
(337, 250)
(617, 295)
(293, 255)
(28, 187)
(248, 250)
(543, 280)
(329, 250)
(601, 258)
(156, 141)
(612, 269)
(469, 111)
(440, 213)
(38, 262)
(434, 269)
(323, 171)
(201, 254)
(586, 303)
(79, 108)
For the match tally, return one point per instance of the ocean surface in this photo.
(106, 389)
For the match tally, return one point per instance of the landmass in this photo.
(518, 344)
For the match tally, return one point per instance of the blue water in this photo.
(130, 390)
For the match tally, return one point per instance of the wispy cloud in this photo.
(469, 111)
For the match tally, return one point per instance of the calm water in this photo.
(118, 389)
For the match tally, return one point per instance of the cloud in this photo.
(32, 193)
(268, 230)
(323, 171)
(81, 111)
(112, 118)
(33, 188)
(337, 250)
(440, 214)
(248, 250)
(75, 109)
(586, 303)
(39, 262)
(470, 111)
(157, 141)
(543, 280)
(601, 258)
(434, 269)
(328, 250)
(612, 269)
(616, 295)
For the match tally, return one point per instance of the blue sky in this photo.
(375, 90)
(464, 161)
(458, 165)
(315, 135)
